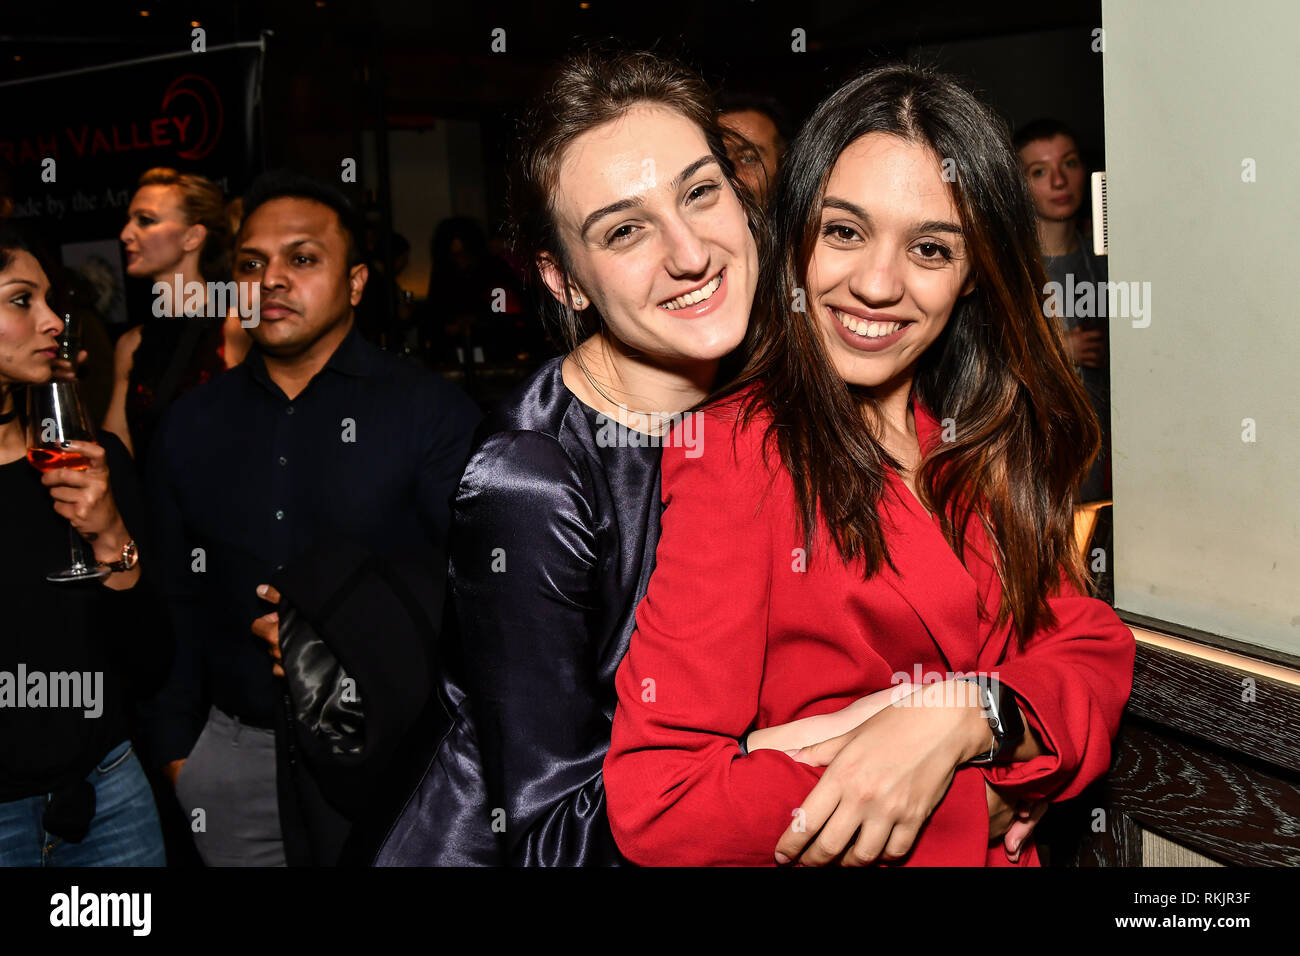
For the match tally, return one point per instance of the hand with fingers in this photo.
(806, 731)
(1009, 818)
(1086, 347)
(267, 627)
(84, 496)
(884, 778)
(1012, 819)
(66, 370)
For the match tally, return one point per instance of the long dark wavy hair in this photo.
(1025, 431)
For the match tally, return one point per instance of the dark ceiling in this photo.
(727, 37)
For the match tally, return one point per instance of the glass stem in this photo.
(83, 555)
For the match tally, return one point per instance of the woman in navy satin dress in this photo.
(644, 249)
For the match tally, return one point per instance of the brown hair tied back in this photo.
(203, 205)
(589, 90)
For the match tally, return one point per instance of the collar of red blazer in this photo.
(929, 575)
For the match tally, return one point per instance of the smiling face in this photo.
(1055, 174)
(296, 250)
(890, 261)
(656, 238)
(29, 329)
(156, 236)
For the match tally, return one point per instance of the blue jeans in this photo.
(123, 832)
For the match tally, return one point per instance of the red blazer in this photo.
(733, 635)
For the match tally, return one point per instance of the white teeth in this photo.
(868, 330)
(699, 295)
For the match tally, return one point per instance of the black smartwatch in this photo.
(1003, 714)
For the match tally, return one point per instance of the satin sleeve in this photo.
(523, 556)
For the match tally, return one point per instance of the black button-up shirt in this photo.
(243, 479)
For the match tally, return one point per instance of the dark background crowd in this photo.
(408, 110)
(424, 97)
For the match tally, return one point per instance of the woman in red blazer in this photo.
(884, 497)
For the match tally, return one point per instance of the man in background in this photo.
(317, 438)
(754, 128)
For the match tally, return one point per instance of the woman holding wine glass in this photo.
(72, 646)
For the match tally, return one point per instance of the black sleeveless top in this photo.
(160, 341)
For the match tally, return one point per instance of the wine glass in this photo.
(55, 415)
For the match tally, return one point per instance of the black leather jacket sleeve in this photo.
(357, 640)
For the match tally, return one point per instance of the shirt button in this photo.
(289, 410)
(283, 460)
(279, 516)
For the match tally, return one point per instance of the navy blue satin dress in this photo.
(554, 531)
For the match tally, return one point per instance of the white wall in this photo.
(436, 173)
(1207, 526)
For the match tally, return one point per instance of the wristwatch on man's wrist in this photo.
(130, 558)
(1003, 714)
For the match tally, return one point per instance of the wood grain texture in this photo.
(1231, 809)
(1198, 762)
(1204, 700)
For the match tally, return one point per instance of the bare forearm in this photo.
(813, 730)
(806, 731)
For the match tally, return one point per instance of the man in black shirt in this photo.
(316, 438)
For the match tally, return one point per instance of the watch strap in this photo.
(1003, 714)
(130, 558)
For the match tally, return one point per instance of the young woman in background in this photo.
(178, 231)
